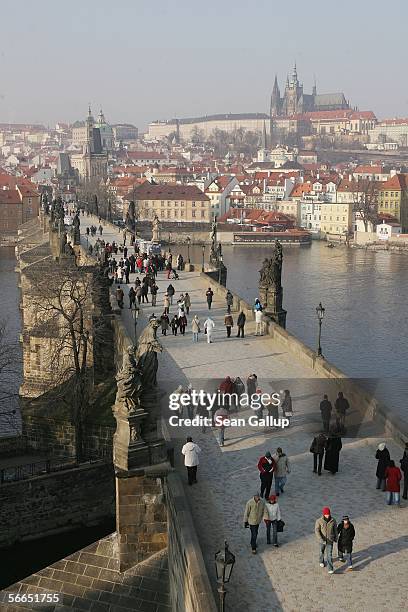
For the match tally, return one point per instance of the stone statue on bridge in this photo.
(129, 383)
(131, 217)
(271, 271)
(146, 354)
(76, 235)
(270, 286)
(156, 229)
(214, 258)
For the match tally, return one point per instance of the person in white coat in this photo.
(258, 322)
(271, 517)
(209, 327)
(191, 451)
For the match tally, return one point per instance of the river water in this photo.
(364, 293)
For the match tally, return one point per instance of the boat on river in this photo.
(290, 237)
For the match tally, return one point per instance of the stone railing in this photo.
(239, 304)
(358, 397)
(190, 588)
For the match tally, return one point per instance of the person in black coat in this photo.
(333, 448)
(317, 448)
(241, 324)
(326, 410)
(383, 456)
(346, 535)
(404, 470)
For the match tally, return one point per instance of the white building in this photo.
(310, 215)
(385, 231)
(218, 191)
(390, 130)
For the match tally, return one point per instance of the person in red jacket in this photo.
(226, 389)
(266, 465)
(392, 483)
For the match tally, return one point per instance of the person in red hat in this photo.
(271, 517)
(326, 533)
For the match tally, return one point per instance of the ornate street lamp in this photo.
(188, 240)
(320, 315)
(202, 265)
(136, 313)
(224, 564)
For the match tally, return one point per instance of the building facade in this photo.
(393, 198)
(336, 219)
(178, 203)
(92, 162)
(184, 129)
(18, 204)
(80, 131)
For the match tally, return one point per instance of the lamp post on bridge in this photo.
(224, 564)
(320, 315)
(203, 252)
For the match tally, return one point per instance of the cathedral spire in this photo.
(275, 98)
(264, 143)
(294, 75)
(314, 91)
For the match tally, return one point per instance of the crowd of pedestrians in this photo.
(273, 468)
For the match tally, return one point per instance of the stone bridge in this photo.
(287, 578)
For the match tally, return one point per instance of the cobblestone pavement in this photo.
(287, 578)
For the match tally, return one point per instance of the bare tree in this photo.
(365, 201)
(62, 301)
(197, 135)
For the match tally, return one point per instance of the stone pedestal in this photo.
(140, 465)
(271, 298)
(141, 517)
(129, 449)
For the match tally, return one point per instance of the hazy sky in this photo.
(144, 60)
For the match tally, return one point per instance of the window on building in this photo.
(193, 204)
(203, 213)
(182, 213)
(193, 213)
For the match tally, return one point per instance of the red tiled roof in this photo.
(169, 191)
(367, 169)
(145, 155)
(300, 189)
(395, 121)
(397, 182)
(9, 196)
